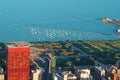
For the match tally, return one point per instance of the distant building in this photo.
(112, 73)
(36, 74)
(118, 72)
(51, 62)
(18, 63)
(2, 75)
(65, 75)
(71, 76)
(99, 73)
(58, 76)
(100, 70)
(68, 75)
(79, 74)
(51, 65)
(85, 74)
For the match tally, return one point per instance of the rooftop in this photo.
(20, 45)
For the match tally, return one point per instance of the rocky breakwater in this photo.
(112, 21)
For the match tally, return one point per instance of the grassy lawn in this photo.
(104, 51)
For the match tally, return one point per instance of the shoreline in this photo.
(61, 40)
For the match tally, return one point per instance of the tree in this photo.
(78, 59)
(69, 63)
(67, 45)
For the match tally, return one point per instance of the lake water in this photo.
(44, 20)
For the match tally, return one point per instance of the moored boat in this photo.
(118, 31)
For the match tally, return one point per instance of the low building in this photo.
(50, 66)
(58, 76)
(68, 75)
(112, 73)
(36, 74)
(71, 76)
(118, 72)
(85, 74)
(2, 75)
(99, 73)
(100, 70)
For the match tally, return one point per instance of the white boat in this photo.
(118, 30)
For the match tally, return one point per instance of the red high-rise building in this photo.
(18, 63)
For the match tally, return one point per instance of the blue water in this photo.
(43, 20)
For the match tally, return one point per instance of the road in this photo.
(86, 55)
(83, 54)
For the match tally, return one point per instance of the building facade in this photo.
(2, 74)
(50, 67)
(36, 74)
(18, 63)
(85, 74)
